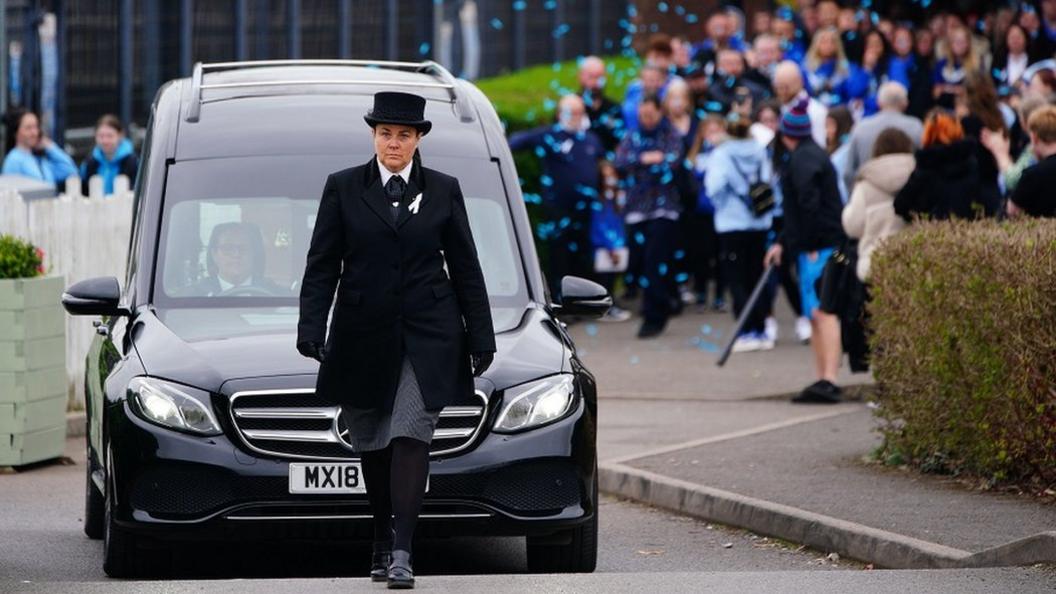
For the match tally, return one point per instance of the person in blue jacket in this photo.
(829, 74)
(113, 155)
(32, 154)
(569, 152)
(734, 165)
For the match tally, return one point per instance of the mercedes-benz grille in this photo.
(293, 424)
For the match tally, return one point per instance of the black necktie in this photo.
(395, 188)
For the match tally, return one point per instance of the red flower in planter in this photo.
(40, 256)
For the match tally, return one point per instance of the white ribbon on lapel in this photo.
(413, 206)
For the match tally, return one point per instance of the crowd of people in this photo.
(30, 153)
(768, 144)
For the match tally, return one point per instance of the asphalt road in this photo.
(42, 549)
(41, 541)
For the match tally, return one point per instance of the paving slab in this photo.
(635, 427)
(680, 363)
(818, 466)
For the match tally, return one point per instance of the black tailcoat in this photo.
(394, 294)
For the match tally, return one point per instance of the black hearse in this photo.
(201, 418)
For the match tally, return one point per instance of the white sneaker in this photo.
(615, 314)
(803, 329)
(770, 331)
(746, 343)
(688, 296)
(766, 343)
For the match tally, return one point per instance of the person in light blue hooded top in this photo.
(734, 165)
(32, 154)
(113, 155)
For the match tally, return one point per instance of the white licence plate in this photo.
(329, 477)
(326, 477)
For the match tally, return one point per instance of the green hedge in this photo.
(528, 97)
(964, 348)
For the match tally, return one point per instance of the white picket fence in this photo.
(81, 238)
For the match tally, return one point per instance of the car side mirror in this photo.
(581, 297)
(94, 297)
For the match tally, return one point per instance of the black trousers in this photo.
(569, 250)
(636, 254)
(658, 269)
(743, 253)
(702, 252)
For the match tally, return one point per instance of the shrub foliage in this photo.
(19, 258)
(964, 348)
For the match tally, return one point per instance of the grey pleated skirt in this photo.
(373, 429)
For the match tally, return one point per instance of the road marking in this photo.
(735, 434)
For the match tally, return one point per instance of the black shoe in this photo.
(820, 392)
(380, 559)
(650, 329)
(400, 576)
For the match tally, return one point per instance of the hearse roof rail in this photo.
(443, 79)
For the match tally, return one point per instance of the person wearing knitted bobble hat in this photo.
(811, 232)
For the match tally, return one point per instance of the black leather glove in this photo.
(481, 361)
(312, 350)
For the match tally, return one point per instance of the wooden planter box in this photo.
(32, 370)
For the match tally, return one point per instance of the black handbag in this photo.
(839, 280)
(760, 193)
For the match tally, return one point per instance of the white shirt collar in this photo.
(224, 285)
(405, 173)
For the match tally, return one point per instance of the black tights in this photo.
(395, 477)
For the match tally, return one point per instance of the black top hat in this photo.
(394, 107)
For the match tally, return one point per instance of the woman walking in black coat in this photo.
(406, 338)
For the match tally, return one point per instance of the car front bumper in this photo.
(174, 485)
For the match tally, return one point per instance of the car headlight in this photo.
(535, 403)
(173, 405)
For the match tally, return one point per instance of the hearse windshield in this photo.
(235, 234)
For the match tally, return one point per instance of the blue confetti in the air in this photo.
(679, 254)
(519, 5)
(423, 49)
(705, 329)
(561, 29)
(496, 23)
(639, 238)
(550, 4)
(546, 180)
(662, 269)
(661, 6)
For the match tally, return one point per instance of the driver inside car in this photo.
(235, 263)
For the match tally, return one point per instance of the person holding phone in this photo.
(32, 154)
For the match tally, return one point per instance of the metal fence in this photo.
(114, 54)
